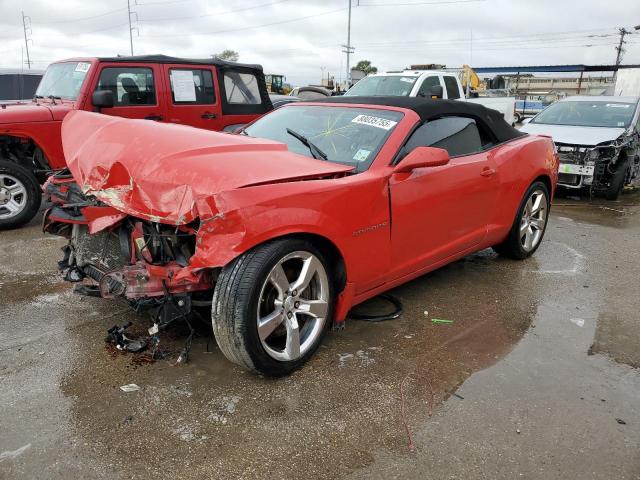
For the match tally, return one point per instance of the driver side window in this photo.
(130, 86)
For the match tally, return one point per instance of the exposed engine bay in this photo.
(603, 168)
(134, 259)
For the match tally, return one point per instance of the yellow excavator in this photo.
(470, 80)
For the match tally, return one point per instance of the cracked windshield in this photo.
(350, 136)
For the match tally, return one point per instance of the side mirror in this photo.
(526, 120)
(422, 157)
(102, 99)
(436, 92)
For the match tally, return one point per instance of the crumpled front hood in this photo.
(25, 112)
(587, 136)
(171, 173)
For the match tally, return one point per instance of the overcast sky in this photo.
(301, 38)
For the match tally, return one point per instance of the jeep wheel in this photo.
(529, 225)
(20, 195)
(272, 306)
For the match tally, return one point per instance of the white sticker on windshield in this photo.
(374, 122)
(618, 105)
(621, 124)
(406, 79)
(361, 155)
(83, 67)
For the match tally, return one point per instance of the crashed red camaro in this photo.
(309, 211)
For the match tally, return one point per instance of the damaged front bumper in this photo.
(113, 255)
(591, 167)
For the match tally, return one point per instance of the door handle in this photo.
(209, 116)
(487, 172)
(153, 117)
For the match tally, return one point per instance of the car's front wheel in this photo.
(529, 225)
(617, 180)
(272, 306)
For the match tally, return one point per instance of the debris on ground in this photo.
(620, 421)
(116, 335)
(578, 321)
(441, 320)
(130, 387)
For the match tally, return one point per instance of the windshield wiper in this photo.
(315, 151)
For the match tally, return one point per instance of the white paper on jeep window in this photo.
(184, 89)
(372, 121)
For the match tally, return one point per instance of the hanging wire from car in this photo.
(398, 309)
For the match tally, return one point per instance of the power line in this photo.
(437, 2)
(506, 38)
(215, 14)
(495, 43)
(81, 19)
(282, 22)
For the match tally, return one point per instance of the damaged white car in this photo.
(598, 140)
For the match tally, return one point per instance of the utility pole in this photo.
(131, 28)
(26, 19)
(348, 49)
(623, 32)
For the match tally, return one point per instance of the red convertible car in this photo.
(282, 228)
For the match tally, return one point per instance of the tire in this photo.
(518, 117)
(20, 195)
(252, 287)
(522, 242)
(617, 181)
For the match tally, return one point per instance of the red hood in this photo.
(172, 173)
(34, 112)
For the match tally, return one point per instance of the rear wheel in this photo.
(272, 306)
(529, 225)
(20, 195)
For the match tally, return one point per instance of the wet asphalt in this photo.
(535, 377)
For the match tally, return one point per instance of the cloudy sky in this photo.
(302, 38)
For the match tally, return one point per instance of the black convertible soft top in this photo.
(429, 109)
(158, 58)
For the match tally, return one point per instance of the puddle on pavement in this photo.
(344, 404)
(598, 211)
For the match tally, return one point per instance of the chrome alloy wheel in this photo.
(13, 196)
(533, 220)
(293, 306)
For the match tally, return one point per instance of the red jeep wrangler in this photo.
(211, 94)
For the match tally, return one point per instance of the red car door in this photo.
(137, 90)
(439, 212)
(191, 96)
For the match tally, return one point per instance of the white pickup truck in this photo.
(416, 83)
